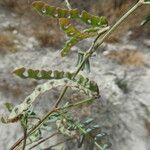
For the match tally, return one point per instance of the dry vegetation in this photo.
(48, 34)
(127, 57)
(132, 23)
(45, 30)
(7, 43)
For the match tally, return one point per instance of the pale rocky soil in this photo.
(123, 115)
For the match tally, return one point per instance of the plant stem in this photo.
(33, 129)
(61, 96)
(68, 4)
(48, 114)
(96, 43)
(114, 27)
(24, 124)
(43, 140)
(25, 138)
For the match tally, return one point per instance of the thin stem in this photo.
(146, 3)
(68, 4)
(114, 27)
(143, 2)
(43, 140)
(25, 138)
(61, 96)
(65, 89)
(24, 124)
(78, 104)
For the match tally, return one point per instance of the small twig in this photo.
(25, 138)
(43, 140)
(61, 96)
(146, 3)
(24, 124)
(143, 2)
(68, 4)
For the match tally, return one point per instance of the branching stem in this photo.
(45, 118)
(96, 43)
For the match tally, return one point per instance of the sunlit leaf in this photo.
(47, 10)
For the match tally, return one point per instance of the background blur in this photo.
(121, 67)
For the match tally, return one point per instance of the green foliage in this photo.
(146, 20)
(76, 35)
(87, 132)
(64, 16)
(52, 11)
(57, 78)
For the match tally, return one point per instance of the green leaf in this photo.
(37, 74)
(146, 20)
(68, 28)
(47, 10)
(81, 140)
(64, 15)
(88, 121)
(79, 36)
(9, 106)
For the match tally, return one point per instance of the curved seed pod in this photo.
(20, 109)
(47, 10)
(57, 78)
